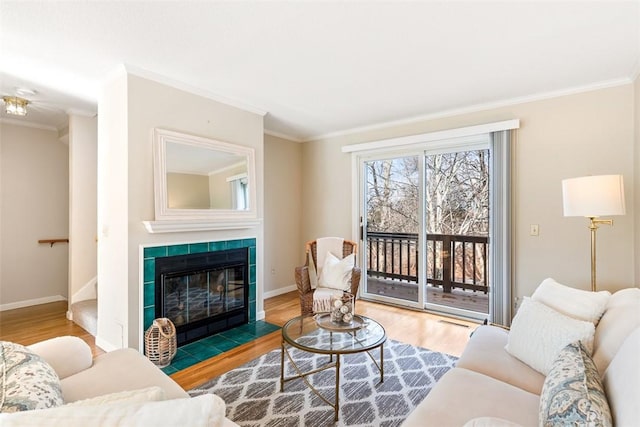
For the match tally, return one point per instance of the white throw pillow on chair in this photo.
(336, 273)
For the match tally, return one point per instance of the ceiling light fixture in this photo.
(15, 105)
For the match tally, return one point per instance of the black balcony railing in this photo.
(453, 261)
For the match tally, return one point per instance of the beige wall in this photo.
(136, 106)
(34, 179)
(282, 213)
(589, 133)
(327, 198)
(83, 248)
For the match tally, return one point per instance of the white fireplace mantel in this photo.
(182, 225)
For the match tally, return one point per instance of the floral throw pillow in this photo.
(572, 393)
(26, 380)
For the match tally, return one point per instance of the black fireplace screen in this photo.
(196, 296)
(203, 294)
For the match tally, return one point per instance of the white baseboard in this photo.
(69, 315)
(279, 291)
(274, 293)
(30, 302)
(105, 345)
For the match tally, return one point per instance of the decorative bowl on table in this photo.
(342, 309)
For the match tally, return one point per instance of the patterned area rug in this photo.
(253, 397)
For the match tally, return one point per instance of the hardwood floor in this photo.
(32, 324)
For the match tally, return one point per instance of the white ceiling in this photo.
(320, 67)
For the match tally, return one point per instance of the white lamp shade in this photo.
(593, 196)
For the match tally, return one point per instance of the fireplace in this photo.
(203, 293)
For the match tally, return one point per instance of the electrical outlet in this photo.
(534, 230)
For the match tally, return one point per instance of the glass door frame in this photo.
(467, 143)
(361, 168)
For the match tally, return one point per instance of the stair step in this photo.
(85, 315)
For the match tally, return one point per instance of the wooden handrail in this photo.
(53, 241)
(462, 259)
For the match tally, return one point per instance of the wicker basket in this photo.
(160, 342)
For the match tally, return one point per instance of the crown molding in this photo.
(139, 72)
(475, 108)
(283, 136)
(79, 112)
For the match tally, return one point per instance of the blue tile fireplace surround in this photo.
(191, 353)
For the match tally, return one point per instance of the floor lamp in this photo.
(593, 197)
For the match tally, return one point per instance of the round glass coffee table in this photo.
(320, 336)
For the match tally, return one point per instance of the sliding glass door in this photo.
(390, 226)
(425, 227)
(457, 232)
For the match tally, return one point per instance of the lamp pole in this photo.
(593, 226)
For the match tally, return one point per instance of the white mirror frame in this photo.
(198, 219)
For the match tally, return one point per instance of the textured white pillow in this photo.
(207, 410)
(538, 334)
(149, 394)
(572, 302)
(336, 273)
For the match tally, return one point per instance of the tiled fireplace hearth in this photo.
(205, 348)
(155, 266)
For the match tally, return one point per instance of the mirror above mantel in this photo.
(201, 184)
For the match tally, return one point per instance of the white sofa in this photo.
(490, 387)
(85, 381)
